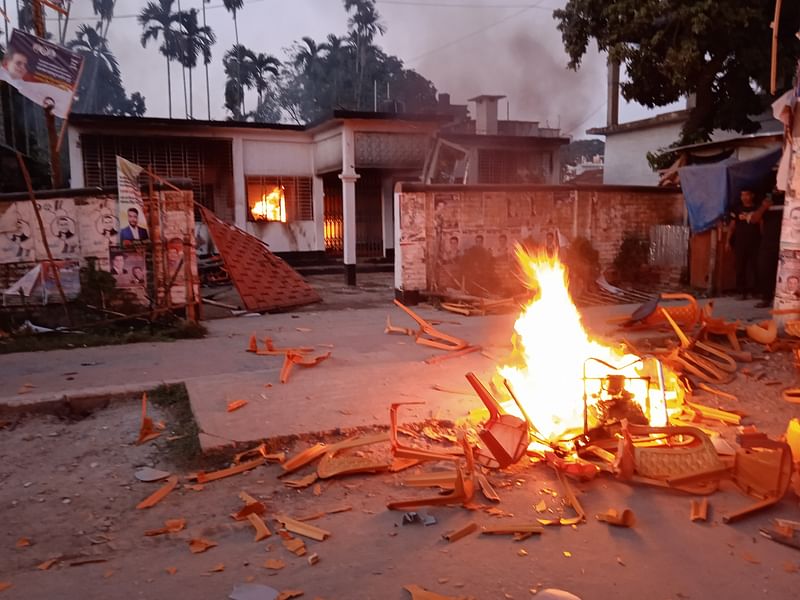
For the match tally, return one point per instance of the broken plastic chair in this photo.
(435, 339)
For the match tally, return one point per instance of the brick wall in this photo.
(433, 221)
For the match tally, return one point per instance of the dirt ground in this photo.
(68, 487)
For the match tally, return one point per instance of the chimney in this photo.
(612, 114)
(486, 114)
(444, 102)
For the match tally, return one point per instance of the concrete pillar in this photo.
(349, 178)
(387, 215)
(240, 207)
(612, 106)
(76, 179)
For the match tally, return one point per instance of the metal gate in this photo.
(369, 215)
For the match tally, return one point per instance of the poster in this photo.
(17, 230)
(790, 229)
(60, 220)
(39, 284)
(42, 71)
(129, 269)
(98, 226)
(131, 215)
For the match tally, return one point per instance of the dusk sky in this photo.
(466, 47)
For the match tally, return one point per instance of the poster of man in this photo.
(64, 229)
(131, 205)
(790, 231)
(21, 241)
(788, 283)
(129, 270)
(42, 71)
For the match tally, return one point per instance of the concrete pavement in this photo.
(367, 371)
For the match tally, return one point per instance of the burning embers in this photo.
(568, 384)
(271, 207)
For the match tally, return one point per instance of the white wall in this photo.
(626, 154)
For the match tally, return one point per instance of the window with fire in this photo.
(279, 199)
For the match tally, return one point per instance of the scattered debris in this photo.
(23, 542)
(170, 526)
(147, 431)
(262, 531)
(159, 494)
(148, 474)
(699, 510)
(454, 536)
(302, 528)
(294, 545)
(512, 529)
(47, 564)
(253, 591)
(313, 559)
(419, 593)
(198, 545)
(626, 518)
(274, 564)
(234, 470)
(236, 405)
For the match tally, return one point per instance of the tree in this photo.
(718, 51)
(239, 65)
(364, 24)
(104, 9)
(157, 20)
(233, 6)
(265, 68)
(195, 41)
(100, 89)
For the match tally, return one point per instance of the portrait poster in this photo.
(42, 71)
(69, 275)
(98, 226)
(60, 219)
(129, 269)
(17, 231)
(790, 229)
(131, 214)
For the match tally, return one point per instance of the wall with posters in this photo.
(83, 226)
(452, 235)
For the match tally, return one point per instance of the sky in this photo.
(465, 47)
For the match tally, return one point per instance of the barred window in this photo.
(279, 199)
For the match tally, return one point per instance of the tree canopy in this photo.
(718, 50)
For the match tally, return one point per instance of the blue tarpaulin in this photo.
(711, 190)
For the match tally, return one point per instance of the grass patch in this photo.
(109, 336)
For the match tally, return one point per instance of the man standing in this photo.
(769, 249)
(744, 237)
(133, 233)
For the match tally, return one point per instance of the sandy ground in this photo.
(69, 488)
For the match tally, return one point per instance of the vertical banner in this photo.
(42, 71)
(787, 287)
(132, 218)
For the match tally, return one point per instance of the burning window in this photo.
(279, 199)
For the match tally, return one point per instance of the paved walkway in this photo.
(368, 369)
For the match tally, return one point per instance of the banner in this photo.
(42, 71)
(130, 206)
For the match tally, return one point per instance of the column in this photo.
(240, 207)
(349, 178)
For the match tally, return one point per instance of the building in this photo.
(321, 189)
(627, 144)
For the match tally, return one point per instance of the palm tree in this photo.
(157, 19)
(232, 6)
(364, 25)
(90, 42)
(239, 65)
(195, 41)
(264, 65)
(334, 62)
(104, 9)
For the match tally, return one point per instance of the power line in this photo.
(469, 35)
(591, 114)
(425, 3)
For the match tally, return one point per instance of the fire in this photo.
(271, 207)
(552, 367)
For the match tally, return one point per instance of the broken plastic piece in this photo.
(626, 518)
(303, 482)
(198, 545)
(170, 526)
(262, 531)
(419, 593)
(274, 564)
(236, 405)
(159, 494)
(303, 458)
(699, 510)
(234, 470)
(457, 534)
(147, 431)
(512, 529)
(148, 474)
(301, 528)
(295, 546)
(313, 559)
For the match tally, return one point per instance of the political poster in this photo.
(42, 71)
(132, 217)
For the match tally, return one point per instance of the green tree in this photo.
(233, 7)
(364, 24)
(157, 19)
(239, 66)
(195, 41)
(100, 90)
(717, 50)
(265, 68)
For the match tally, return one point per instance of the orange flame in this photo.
(271, 207)
(549, 363)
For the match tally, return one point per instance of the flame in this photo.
(551, 348)
(271, 207)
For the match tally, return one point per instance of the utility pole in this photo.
(52, 135)
(208, 89)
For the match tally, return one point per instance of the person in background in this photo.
(744, 237)
(769, 249)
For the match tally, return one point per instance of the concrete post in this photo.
(612, 105)
(240, 207)
(349, 178)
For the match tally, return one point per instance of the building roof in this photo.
(161, 122)
(677, 116)
(753, 139)
(483, 97)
